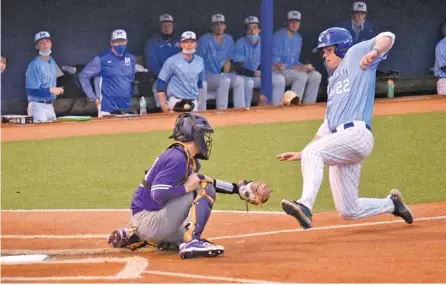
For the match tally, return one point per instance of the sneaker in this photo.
(200, 248)
(401, 209)
(300, 212)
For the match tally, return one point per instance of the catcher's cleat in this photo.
(123, 237)
(401, 209)
(300, 212)
(119, 238)
(200, 248)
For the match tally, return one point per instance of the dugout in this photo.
(81, 29)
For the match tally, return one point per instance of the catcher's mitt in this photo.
(185, 105)
(253, 192)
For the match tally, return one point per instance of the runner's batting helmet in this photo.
(339, 37)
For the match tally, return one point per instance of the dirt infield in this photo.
(260, 247)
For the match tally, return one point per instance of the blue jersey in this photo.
(285, 49)
(183, 77)
(247, 53)
(440, 58)
(117, 73)
(40, 77)
(215, 54)
(164, 180)
(158, 50)
(366, 33)
(351, 90)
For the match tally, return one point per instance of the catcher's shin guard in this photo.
(200, 211)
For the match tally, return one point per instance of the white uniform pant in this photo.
(221, 84)
(42, 112)
(278, 88)
(305, 84)
(344, 152)
(441, 86)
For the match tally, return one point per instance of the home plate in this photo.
(23, 258)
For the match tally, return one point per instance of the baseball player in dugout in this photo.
(181, 78)
(303, 78)
(440, 62)
(345, 138)
(360, 28)
(217, 50)
(115, 69)
(160, 47)
(247, 62)
(41, 79)
(172, 204)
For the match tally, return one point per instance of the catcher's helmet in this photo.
(339, 37)
(194, 127)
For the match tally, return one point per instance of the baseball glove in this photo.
(290, 98)
(254, 192)
(185, 105)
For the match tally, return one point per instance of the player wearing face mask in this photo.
(115, 68)
(160, 47)
(181, 79)
(247, 62)
(41, 76)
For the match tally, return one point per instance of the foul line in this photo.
(205, 277)
(325, 228)
(134, 267)
(64, 252)
(127, 210)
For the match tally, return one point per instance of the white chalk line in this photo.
(127, 210)
(133, 269)
(205, 277)
(334, 227)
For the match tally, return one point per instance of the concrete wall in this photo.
(81, 29)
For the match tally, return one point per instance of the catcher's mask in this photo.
(194, 127)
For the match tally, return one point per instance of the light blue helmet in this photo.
(339, 37)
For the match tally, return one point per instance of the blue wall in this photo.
(81, 28)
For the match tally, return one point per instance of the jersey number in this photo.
(342, 86)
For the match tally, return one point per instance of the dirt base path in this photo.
(378, 249)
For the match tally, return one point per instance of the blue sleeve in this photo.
(230, 55)
(33, 82)
(164, 187)
(297, 53)
(357, 51)
(200, 80)
(166, 70)
(201, 47)
(239, 51)
(152, 57)
(440, 54)
(161, 85)
(277, 53)
(92, 69)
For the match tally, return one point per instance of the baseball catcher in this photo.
(172, 204)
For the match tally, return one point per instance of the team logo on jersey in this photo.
(127, 61)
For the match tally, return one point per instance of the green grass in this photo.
(103, 171)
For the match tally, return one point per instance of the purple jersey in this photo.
(164, 181)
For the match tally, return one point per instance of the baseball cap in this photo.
(188, 35)
(252, 20)
(118, 35)
(294, 15)
(218, 18)
(359, 7)
(166, 18)
(41, 35)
